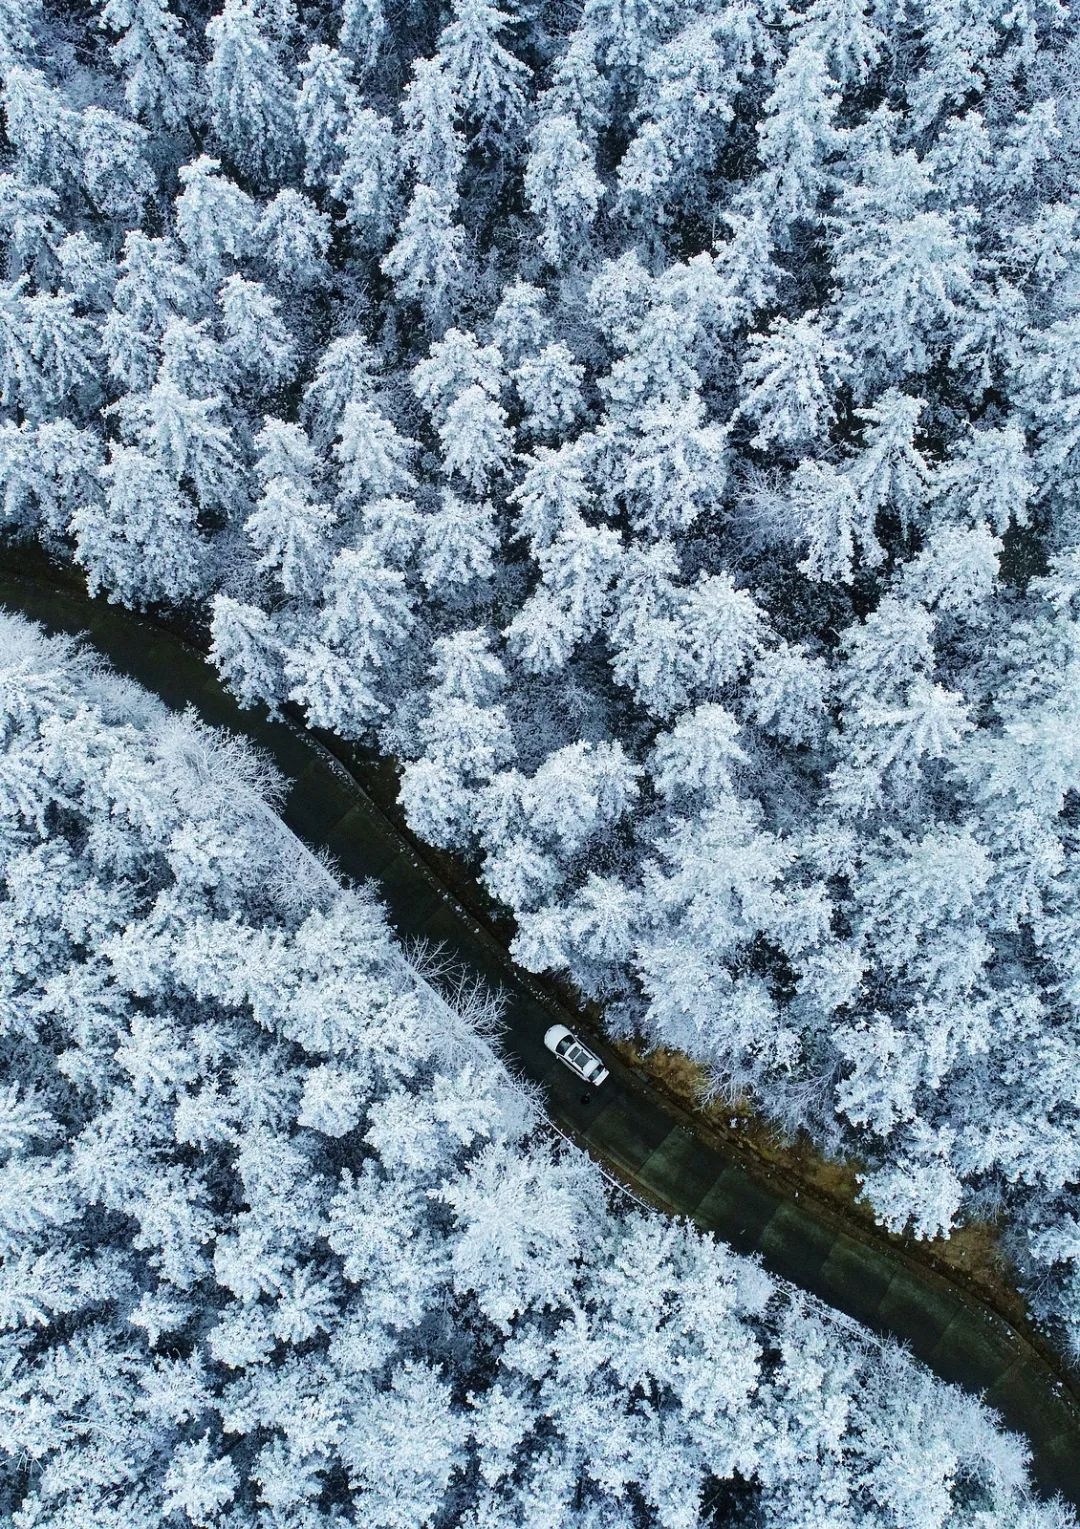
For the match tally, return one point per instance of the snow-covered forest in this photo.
(656, 423)
(282, 1245)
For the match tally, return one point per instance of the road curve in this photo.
(644, 1141)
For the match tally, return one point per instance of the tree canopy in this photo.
(712, 368)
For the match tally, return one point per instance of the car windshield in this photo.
(564, 1045)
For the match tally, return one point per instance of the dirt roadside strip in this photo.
(643, 1138)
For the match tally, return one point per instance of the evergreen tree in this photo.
(293, 237)
(254, 338)
(433, 143)
(786, 380)
(797, 134)
(427, 259)
(561, 185)
(215, 219)
(141, 540)
(367, 175)
(326, 103)
(152, 54)
(485, 77)
(251, 99)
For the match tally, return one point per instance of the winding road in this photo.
(642, 1139)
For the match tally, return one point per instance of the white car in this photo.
(577, 1057)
